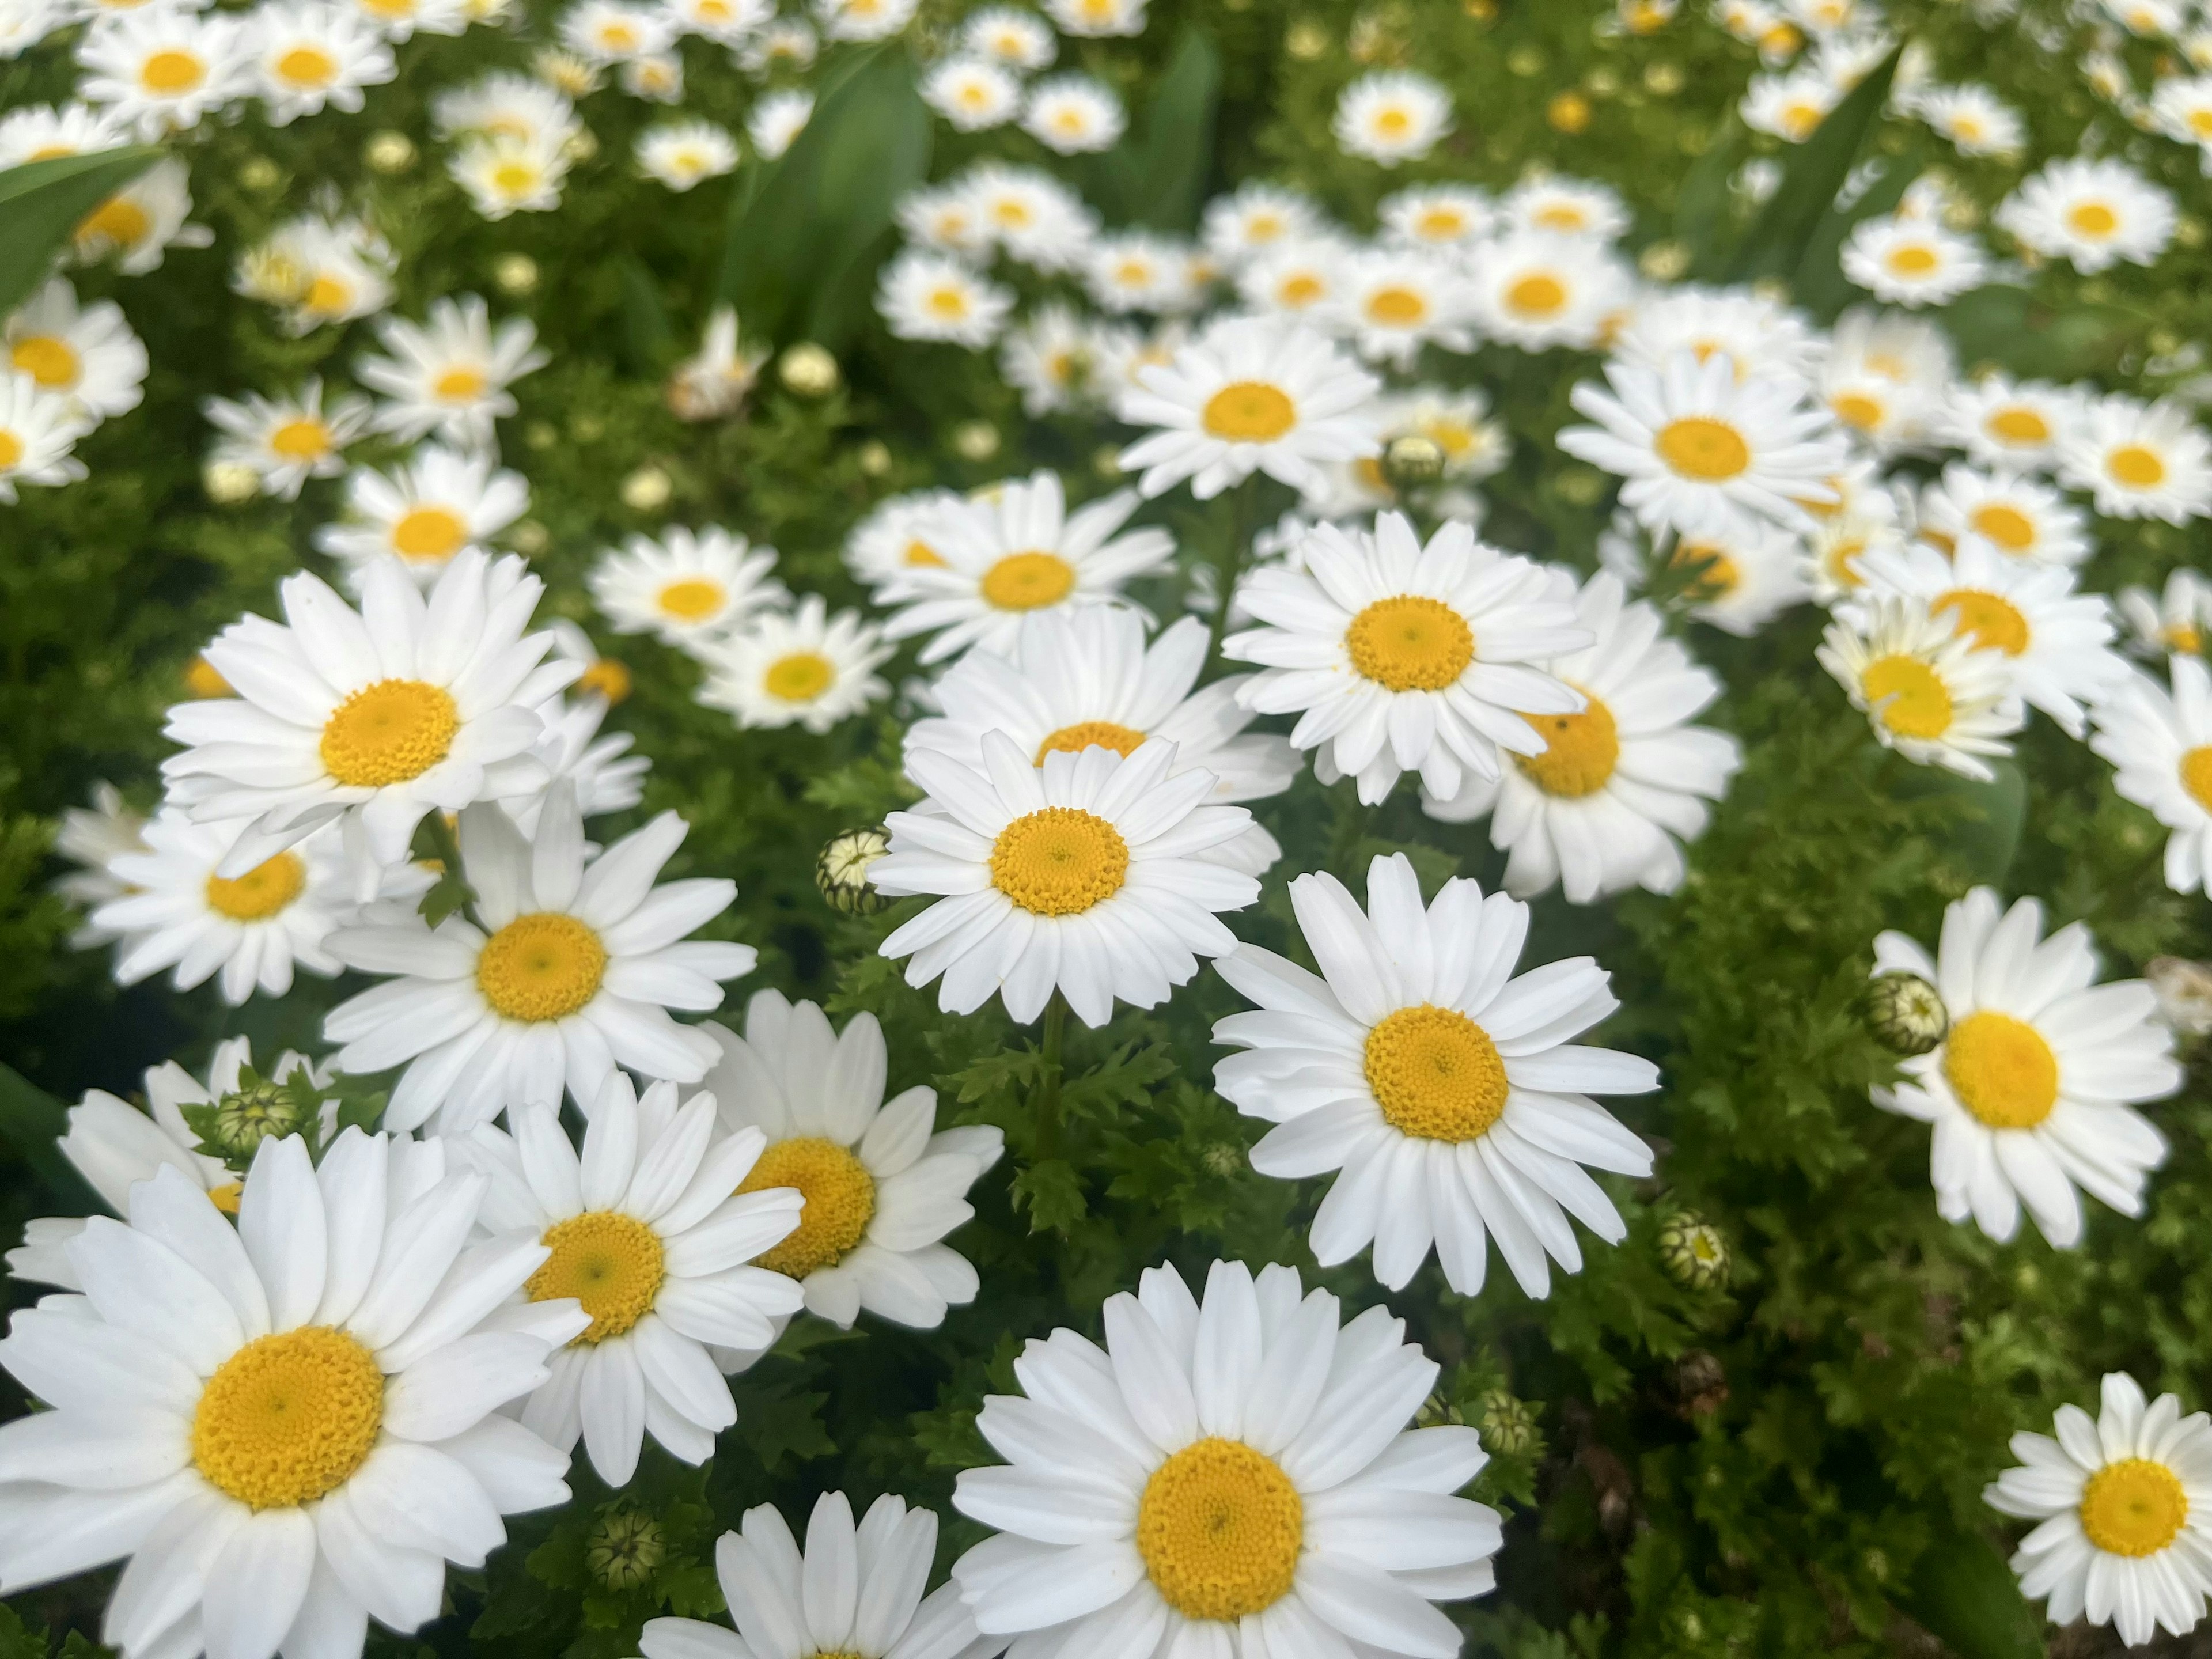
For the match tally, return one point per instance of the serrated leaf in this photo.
(1052, 1193)
(41, 203)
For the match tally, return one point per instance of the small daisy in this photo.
(944, 218)
(779, 118)
(503, 104)
(2160, 748)
(1095, 875)
(730, 23)
(1790, 106)
(785, 43)
(1565, 207)
(1537, 288)
(1912, 262)
(685, 587)
(2182, 108)
(1073, 115)
(2177, 619)
(1138, 270)
(900, 534)
(1391, 116)
(1926, 686)
(658, 76)
(1739, 583)
(1255, 218)
(1050, 357)
(309, 56)
(424, 513)
(2125, 1501)
(1005, 34)
(1437, 216)
(41, 132)
(713, 382)
(1473, 444)
(38, 429)
(2091, 213)
(449, 375)
(2016, 425)
(1975, 120)
(926, 296)
(572, 974)
(318, 271)
(504, 174)
(608, 32)
(1301, 279)
(973, 94)
(165, 68)
(287, 440)
(1098, 19)
(2031, 1092)
(682, 153)
(1399, 657)
(142, 221)
(804, 668)
(864, 20)
(2022, 518)
(1037, 220)
(1759, 336)
(84, 354)
(1391, 303)
(2139, 460)
(1885, 377)
(92, 837)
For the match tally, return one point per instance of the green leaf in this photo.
(1986, 817)
(1776, 242)
(1701, 205)
(1963, 1592)
(1052, 1193)
(1820, 285)
(1157, 179)
(42, 201)
(33, 1121)
(648, 339)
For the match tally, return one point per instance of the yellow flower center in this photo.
(429, 534)
(261, 892)
(2018, 426)
(1857, 409)
(1994, 622)
(307, 66)
(202, 679)
(47, 360)
(2135, 1507)
(1028, 581)
(11, 450)
(618, 37)
(1918, 702)
(1059, 861)
(388, 731)
(1537, 296)
(1441, 224)
(303, 439)
(459, 385)
(1396, 307)
(1410, 643)
(1089, 734)
(1393, 122)
(328, 294)
(691, 599)
(2002, 1070)
(1436, 1074)
(122, 222)
(607, 677)
(1839, 561)
(1562, 216)
(2135, 466)
(2008, 526)
(2200, 123)
(1298, 291)
(799, 677)
(949, 301)
(1699, 446)
(168, 72)
(922, 556)
(2197, 775)
(288, 1418)
(1582, 751)
(226, 1197)
(1220, 1527)
(2183, 638)
(1714, 574)
(2092, 219)
(511, 178)
(1913, 260)
(840, 1197)
(611, 1263)
(541, 966)
(1249, 412)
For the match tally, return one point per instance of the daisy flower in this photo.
(1006, 34)
(1703, 453)
(86, 354)
(319, 270)
(607, 32)
(2139, 460)
(972, 94)
(731, 22)
(1927, 688)
(287, 440)
(450, 375)
(1299, 278)
(657, 76)
(943, 218)
(1390, 303)
(1391, 116)
(425, 511)
(1975, 120)
(686, 587)
(899, 534)
(713, 382)
(1536, 288)
(1739, 583)
(1437, 216)
(285, 1428)
(2022, 518)
(2124, 1500)
(1255, 218)
(776, 119)
(1759, 336)
(2181, 108)
(2177, 619)
(1618, 786)
(786, 43)
(572, 974)
(1095, 875)
(684, 152)
(503, 104)
(881, 1184)
(2031, 1090)
(1473, 444)
(1073, 115)
(2160, 748)
(864, 20)
(142, 221)
(1137, 270)
(600, 771)
(1037, 219)
(38, 429)
(1912, 262)
(2014, 425)
(91, 837)
(926, 296)
(1565, 207)
(309, 56)
(1015, 553)
(1048, 358)
(2090, 212)
(1884, 377)
(164, 69)
(804, 668)
(1096, 19)
(1790, 107)
(1233, 1477)
(371, 719)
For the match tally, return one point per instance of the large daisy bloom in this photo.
(1249, 395)
(2159, 744)
(373, 718)
(1097, 875)
(649, 1229)
(286, 1428)
(2125, 1503)
(572, 974)
(2139, 461)
(2091, 212)
(1927, 687)
(1232, 1478)
(1446, 1089)
(1619, 785)
(2029, 1092)
(882, 1184)
(687, 587)
(1399, 657)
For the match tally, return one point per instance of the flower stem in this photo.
(1047, 1095)
(1229, 560)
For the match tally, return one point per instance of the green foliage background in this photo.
(1790, 1464)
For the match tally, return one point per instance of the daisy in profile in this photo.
(1048, 358)
(1930, 690)
(782, 43)
(608, 32)
(1738, 582)
(804, 667)
(38, 429)
(308, 55)
(1399, 657)
(1884, 377)
(1391, 116)
(649, 1229)
(163, 69)
(683, 154)
(1618, 786)
(449, 375)
(686, 586)
(1073, 115)
(1912, 262)
(2013, 425)
(2177, 619)
(2021, 517)
(1390, 303)
(1019, 39)
(943, 218)
(2125, 1504)
(1233, 1476)
(1255, 218)
(139, 224)
(882, 1185)
(84, 354)
(2031, 1092)
(503, 104)
(1536, 288)
(318, 271)
(1096, 19)
(91, 837)
(1759, 336)
(425, 511)
(713, 382)
(1565, 207)
(2160, 745)
(2091, 212)
(2139, 460)
(1975, 120)
(777, 118)
(731, 22)
(1437, 216)
(926, 296)
(1015, 553)
(1703, 453)
(900, 534)
(972, 94)
(572, 973)
(368, 719)
(1249, 395)
(2181, 108)
(285, 441)
(1097, 875)
(278, 1406)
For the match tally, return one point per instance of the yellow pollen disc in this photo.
(328, 294)
(949, 301)
(1919, 704)
(608, 677)
(1857, 408)
(261, 892)
(388, 731)
(2093, 219)
(1562, 216)
(1583, 749)
(1010, 213)
(611, 1263)
(1913, 260)
(123, 223)
(202, 680)
(2002, 1070)
(2018, 426)
(301, 441)
(1942, 540)
(1299, 291)
(2200, 123)
(840, 1197)
(1396, 307)
(1393, 123)
(922, 555)
(1436, 1074)
(288, 1418)
(11, 451)
(225, 1197)
(1059, 861)
(307, 66)
(2135, 466)
(1699, 446)
(1249, 412)
(510, 178)
(459, 385)
(1220, 1527)
(47, 359)
(1441, 224)
(1537, 296)
(541, 966)
(691, 599)
(2008, 526)
(799, 677)
(2135, 1507)
(1028, 581)
(2197, 775)
(1839, 559)
(618, 37)
(171, 71)
(429, 532)
(1410, 643)
(1995, 624)
(1089, 734)
(1716, 575)
(1370, 469)
(2184, 639)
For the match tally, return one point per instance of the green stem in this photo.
(1047, 1095)
(1228, 560)
(445, 848)
(1351, 830)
